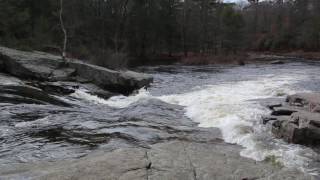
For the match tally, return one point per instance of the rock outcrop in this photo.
(46, 67)
(149, 139)
(297, 120)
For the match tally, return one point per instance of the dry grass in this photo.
(200, 59)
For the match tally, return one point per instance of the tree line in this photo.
(116, 33)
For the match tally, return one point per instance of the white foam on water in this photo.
(124, 101)
(85, 95)
(115, 101)
(230, 108)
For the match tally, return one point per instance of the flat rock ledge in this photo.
(174, 160)
(50, 68)
(297, 120)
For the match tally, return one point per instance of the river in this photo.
(230, 98)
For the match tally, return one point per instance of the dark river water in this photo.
(230, 98)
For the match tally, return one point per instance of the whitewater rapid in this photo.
(233, 106)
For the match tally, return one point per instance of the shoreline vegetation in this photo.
(297, 54)
(119, 33)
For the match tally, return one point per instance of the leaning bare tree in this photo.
(64, 47)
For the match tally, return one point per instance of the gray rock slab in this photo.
(175, 160)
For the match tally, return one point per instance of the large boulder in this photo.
(47, 67)
(297, 121)
(309, 126)
(301, 128)
(29, 65)
(115, 81)
(309, 100)
(288, 131)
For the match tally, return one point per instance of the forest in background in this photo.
(118, 33)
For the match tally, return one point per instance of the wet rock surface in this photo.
(17, 94)
(148, 146)
(297, 120)
(149, 139)
(140, 125)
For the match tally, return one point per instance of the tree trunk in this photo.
(184, 27)
(64, 47)
(120, 25)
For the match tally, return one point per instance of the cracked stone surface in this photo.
(164, 161)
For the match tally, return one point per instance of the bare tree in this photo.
(122, 14)
(185, 21)
(64, 31)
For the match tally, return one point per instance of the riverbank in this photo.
(297, 54)
(240, 58)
